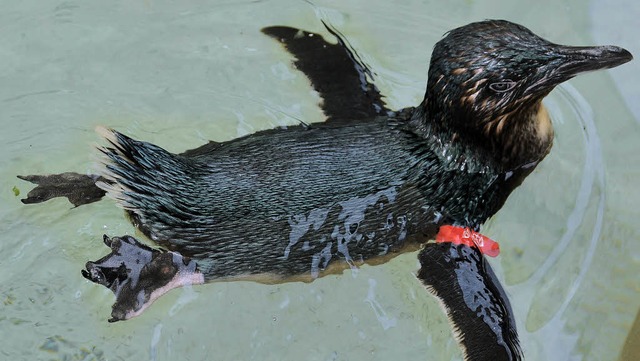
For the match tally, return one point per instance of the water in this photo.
(181, 73)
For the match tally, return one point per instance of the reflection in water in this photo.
(385, 321)
(155, 339)
(592, 183)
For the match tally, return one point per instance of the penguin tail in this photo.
(156, 186)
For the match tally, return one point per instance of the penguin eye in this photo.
(502, 86)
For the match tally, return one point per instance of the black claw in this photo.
(115, 244)
(106, 240)
(89, 265)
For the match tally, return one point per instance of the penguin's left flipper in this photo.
(336, 72)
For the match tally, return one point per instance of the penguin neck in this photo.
(523, 140)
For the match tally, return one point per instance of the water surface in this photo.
(181, 73)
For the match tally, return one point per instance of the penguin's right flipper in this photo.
(477, 307)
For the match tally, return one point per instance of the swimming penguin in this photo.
(298, 203)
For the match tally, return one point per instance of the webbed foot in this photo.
(138, 274)
(78, 188)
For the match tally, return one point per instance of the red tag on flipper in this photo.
(466, 236)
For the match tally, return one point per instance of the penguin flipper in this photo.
(473, 298)
(336, 72)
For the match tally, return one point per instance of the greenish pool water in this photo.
(181, 73)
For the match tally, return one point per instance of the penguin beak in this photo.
(584, 58)
(565, 62)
